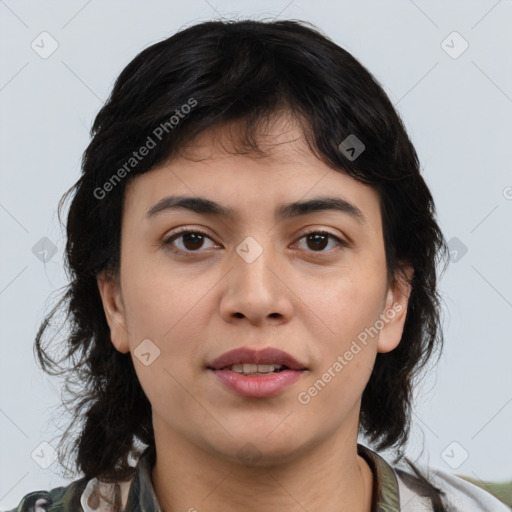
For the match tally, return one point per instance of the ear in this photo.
(110, 292)
(395, 312)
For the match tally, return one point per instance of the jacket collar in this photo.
(386, 497)
(142, 497)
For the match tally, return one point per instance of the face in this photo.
(309, 282)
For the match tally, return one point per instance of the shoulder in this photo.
(457, 494)
(95, 495)
(464, 494)
(84, 495)
(58, 499)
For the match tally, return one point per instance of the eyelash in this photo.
(168, 241)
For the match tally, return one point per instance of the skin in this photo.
(310, 302)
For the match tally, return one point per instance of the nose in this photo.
(256, 290)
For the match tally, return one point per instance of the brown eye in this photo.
(191, 241)
(317, 241)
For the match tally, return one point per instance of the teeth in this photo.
(254, 368)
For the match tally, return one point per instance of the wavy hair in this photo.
(245, 71)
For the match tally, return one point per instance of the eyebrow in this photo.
(285, 211)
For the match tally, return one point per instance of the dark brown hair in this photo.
(244, 71)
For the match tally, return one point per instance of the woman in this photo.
(253, 256)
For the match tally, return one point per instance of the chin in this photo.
(260, 448)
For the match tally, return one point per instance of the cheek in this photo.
(347, 353)
(157, 312)
(157, 297)
(352, 304)
(167, 308)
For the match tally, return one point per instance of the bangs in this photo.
(253, 136)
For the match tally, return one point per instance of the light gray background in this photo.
(457, 111)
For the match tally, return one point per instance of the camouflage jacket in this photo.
(395, 490)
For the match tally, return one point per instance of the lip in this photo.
(257, 386)
(251, 356)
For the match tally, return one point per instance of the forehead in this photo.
(215, 166)
(276, 137)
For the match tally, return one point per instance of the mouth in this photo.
(248, 369)
(257, 374)
(250, 362)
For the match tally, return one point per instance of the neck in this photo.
(329, 477)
